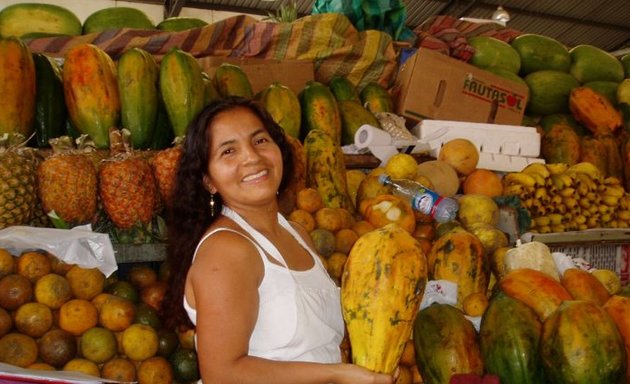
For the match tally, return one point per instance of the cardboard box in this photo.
(434, 86)
(262, 72)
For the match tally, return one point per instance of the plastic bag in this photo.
(78, 246)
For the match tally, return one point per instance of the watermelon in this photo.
(606, 88)
(549, 121)
(549, 92)
(590, 63)
(116, 18)
(539, 53)
(43, 20)
(625, 61)
(494, 53)
(176, 24)
(506, 74)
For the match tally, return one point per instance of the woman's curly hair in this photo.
(189, 215)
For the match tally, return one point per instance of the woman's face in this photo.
(245, 165)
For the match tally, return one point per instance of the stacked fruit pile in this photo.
(61, 316)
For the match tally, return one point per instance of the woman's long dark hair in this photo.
(189, 216)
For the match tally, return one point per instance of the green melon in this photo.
(116, 18)
(590, 63)
(539, 53)
(506, 74)
(493, 53)
(549, 92)
(43, 20)
(625, 61)
(606, 88)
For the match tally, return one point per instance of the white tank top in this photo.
(299, 314)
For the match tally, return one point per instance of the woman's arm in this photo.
(224, 280)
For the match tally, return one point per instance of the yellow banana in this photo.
(586, 167)
(540, 180)
(567, 192)
(585, 179)
(584, 203)
(611, 180)
(606, 218)
(555, 200)
(558, 228)
(537, 168)
(609, 200)
(593, 222)
(562, 180)
(557, 168)
(623, 215)
(545, 229)
(513, 189)
(614, 190)
(570, 202)
(555, 218)
(542, 221)
(519, 178)
(623, 224)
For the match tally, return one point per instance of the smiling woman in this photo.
(247, 280)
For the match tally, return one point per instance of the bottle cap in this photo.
(383, 178)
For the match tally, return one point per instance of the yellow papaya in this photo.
(284, 107)
(593, 151)
(17, 87)
(381, 289)
(614, 162)
(560, 144)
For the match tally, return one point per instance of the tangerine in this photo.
(347, 218)
(328, 218)
(100, 299)
(401, 166)
(33, 319)
(52, 290)
(167, 342)
(139, 342)
(344, 240)
(98, 344)
(7, 263)
(303, 218)
(33, 265)
(155, 370)
(475, 304)
(462, 154)
(483, 182)
(77, 316)
(116, 314)
(59, 266)
(335, 264)
(85, 283)
(42, 367)
(6, 322)
(123, 289)
(324, 241)
(147, 315)
(185, 365)
(362, 227)
(57, 347)
(119, 369)
(309, 200)
(408, 356)
(84, 366)
(141, 275)
(18, 349)
(15, 290)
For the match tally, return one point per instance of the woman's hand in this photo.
(354, 374)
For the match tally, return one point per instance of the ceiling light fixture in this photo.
(501, 15)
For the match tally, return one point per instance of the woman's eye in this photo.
(261, 140)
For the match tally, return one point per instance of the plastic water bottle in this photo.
(422, 199)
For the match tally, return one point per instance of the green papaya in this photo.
(353, 116)
(343, 89)
(376, 98)
(320, 111)
(50, 106)
(230, 80)
(284, 107)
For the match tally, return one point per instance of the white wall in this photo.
(84, 8)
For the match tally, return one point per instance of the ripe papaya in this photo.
(182, 88)
(284, 107)
(593, 151)
(230, 80)
(320, 111)
(560, 144)
(91, 92)
(138, 74)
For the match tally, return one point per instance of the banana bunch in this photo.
(567, 198)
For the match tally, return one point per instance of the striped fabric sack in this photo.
(330, 41)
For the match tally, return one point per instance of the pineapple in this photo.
(127, 187)
(67, 185)
(164, 165)
(18, 184)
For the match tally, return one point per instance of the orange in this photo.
(154, 294)
(33, 265)
(424, 231)
(59, 266)
(347, 219)
(146, 314)
(167, 342)
(324, 241)
(119, 369)
(116, 314)
(52, 290)
(186, 338)
(404, 375)
(475, 304)
(362, 227)
(57, 347)
(18, 349)
(142, 275)
(15, 290)
(335, 264)
(303, 218)
(185, 365)
(328, 218)
(461, 154)
(7, 263)
(483, 182)
(33, 319)
(77, 316)
(84, 366)
(41, 367)
(309, 200)
(139, 342)
(85, 283)
(6, 322)
(100, 299)
(401, 166)
(344, 240)
(155, 370)
(98, 344)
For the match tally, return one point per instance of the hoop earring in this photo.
(212, 204)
